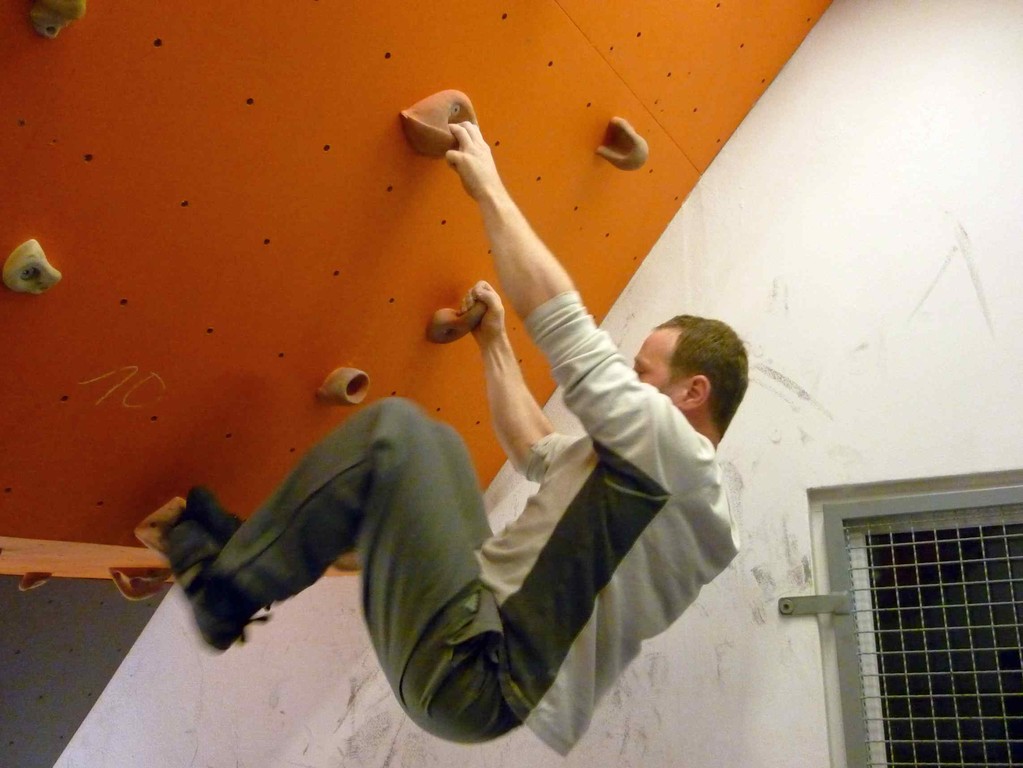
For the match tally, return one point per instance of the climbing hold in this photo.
(153, 530)
(140, 583)
(344, 386)
(27, 270)
(623, 147)
(449, 325)
(49, 17)
(426, 122)
(33, 580)
(348, 562)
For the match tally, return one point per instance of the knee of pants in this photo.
(389, 415)
(399, 416)
(398, 409)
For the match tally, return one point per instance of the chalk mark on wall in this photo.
(964, 248)
(364, 744)
(721, 653)
(357, 685)
(779, 297)
(764, 579)
(132, 371)
(733, 487)
(394, 743)
(789, 385)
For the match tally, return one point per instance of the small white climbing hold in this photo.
(49, 17)
(345, 386)
(28, 271)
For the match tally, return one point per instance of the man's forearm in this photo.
(517, 418)
(528, 272)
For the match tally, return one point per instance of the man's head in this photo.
(701, 365)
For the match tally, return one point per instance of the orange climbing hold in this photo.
(426, 122)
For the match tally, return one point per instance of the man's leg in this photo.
(401, 487)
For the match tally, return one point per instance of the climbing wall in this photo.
(228, 194)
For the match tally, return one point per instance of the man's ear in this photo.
(692, 392)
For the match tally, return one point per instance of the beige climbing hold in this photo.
(623, 147)
(348, 562)
(27, 270)
(344, 386)
(33, 580)
(426, 122)
(49, 17)
(140, 583)
(449, 325)
(153, 530)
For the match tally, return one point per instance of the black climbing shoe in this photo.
(196, 538)
(222, 612)
(193, 543)
(202, 506)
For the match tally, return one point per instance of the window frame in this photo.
(838, 509)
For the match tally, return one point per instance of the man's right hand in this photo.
(491, 326)
(474, 162)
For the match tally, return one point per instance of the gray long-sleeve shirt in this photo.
(629, 522)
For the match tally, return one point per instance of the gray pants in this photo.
(401, 488)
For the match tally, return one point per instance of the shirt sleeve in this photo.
(632, 419)
(543, 453)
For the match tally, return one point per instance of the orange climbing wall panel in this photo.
(229, 196)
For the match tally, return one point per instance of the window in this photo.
(929, 660)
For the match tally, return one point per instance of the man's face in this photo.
(653, 362)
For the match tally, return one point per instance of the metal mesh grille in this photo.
(938, 600)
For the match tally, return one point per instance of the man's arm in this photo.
(516, 416)
(528, 272)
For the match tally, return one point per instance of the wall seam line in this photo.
(629, 87)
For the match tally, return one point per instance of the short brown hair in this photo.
(713, 349)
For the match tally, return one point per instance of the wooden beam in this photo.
(70, 559)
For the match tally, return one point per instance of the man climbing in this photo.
(478, 633)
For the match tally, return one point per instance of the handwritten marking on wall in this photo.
(128, 384)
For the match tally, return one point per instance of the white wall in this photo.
(863, 231)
